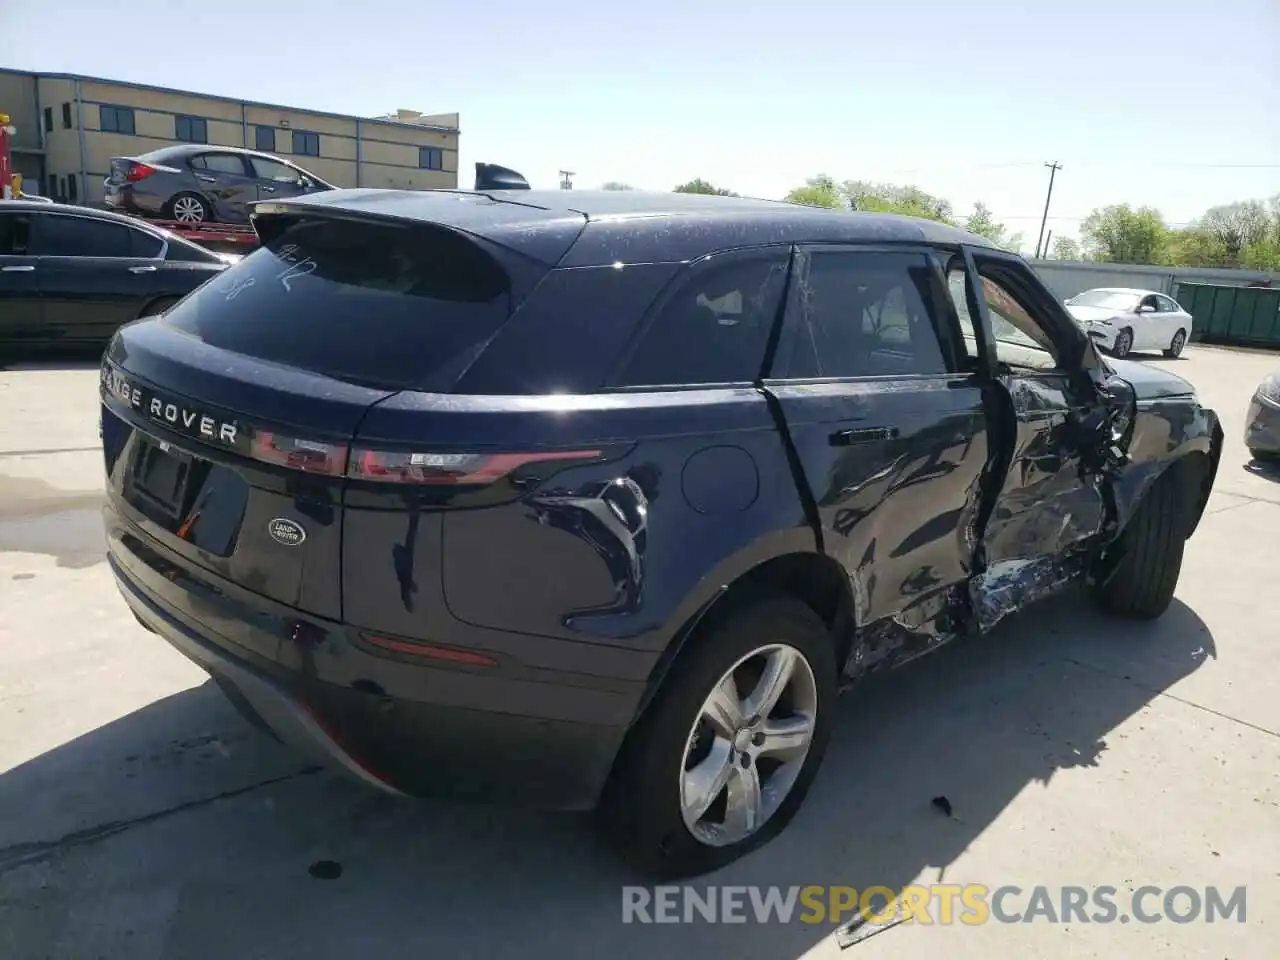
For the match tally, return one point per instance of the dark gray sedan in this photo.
(200, 183)
(1262, 426)
(69, 276)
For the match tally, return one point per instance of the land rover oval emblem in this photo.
(286, 531)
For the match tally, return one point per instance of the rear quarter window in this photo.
(405, 307)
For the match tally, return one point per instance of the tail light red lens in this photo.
(139, 171)
(385, 466)
(309, 456)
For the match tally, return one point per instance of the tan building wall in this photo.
(352, 151)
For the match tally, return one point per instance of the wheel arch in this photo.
(199, 195)
(1193, 465)
(794, 567)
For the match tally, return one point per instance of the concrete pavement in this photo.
(141, 818)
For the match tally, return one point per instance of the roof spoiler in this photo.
(490, 176)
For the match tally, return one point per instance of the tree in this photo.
(819, 191)
(984, 225)
(1194, 247)
(698, 185)
(1237, 225)
(909, 201)
(1120, 234)
(616, 185)
(1064, 248)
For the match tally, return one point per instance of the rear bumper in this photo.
(127, 200)
(359, 722)
(1262, 426)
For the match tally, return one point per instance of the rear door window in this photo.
(231, 163)
(144, 245)
(63, 236)
(404, 307)
(715, 327)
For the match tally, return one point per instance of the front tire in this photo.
(1176, 344)
(1123, 343)
(1140, 569)
(724, 756)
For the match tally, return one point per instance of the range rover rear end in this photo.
(292, 451)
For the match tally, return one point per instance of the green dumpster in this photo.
(1233, 316)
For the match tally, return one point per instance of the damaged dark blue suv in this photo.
(594, 500)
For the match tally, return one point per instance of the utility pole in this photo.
(566, 179)
(1048, 242)
(1053, 169)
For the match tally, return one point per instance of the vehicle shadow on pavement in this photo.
(1267, 469)
(977, 722)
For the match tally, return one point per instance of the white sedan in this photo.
(1121, 319)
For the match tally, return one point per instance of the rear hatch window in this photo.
(389, 305)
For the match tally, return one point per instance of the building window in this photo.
(53, 187)
(306, 144)
(48, 119)
(66, 116)
(264, 138)
(191, 129)
(430, 158)
(115, 119)
(72, 186)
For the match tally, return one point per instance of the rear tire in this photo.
(189, 208)
(1143, 564)
(1176, 344)
(643, 809)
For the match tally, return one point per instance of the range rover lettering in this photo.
(594, 500)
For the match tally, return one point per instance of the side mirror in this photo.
(1146, 308)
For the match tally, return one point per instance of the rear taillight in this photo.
(138, 171)
(385, 466)
(309, 456)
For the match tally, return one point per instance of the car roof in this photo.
(1132, 290)
(37, 206)
(629, 226)
(188, 149)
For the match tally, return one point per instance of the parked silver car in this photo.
(1122, 319)
(200, 183)
(1262, 424)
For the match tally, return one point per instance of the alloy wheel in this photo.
(745, 751)
(1123, 343)
(188, 210)
(1179, 341)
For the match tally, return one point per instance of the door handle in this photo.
(856, 435)
(27, 268)
(149, 268)
(207, 179)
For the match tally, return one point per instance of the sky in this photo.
(1172, 104)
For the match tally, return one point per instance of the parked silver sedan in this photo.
(1262, 425)
(1122, 319)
